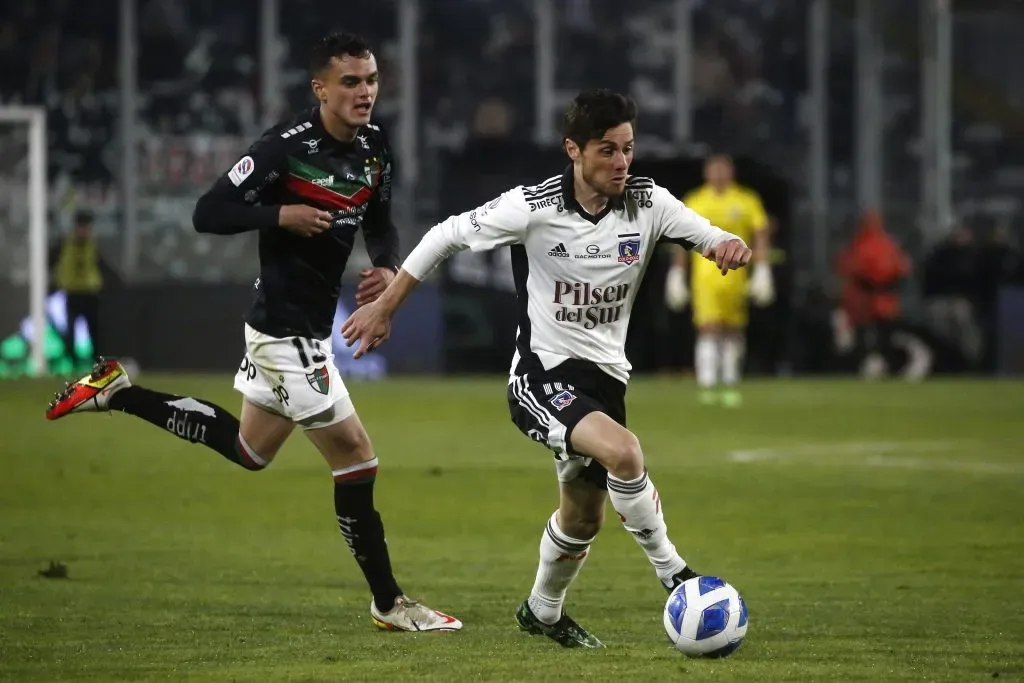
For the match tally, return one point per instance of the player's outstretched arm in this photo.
(500, 222)
(683, 226)
(370, 325)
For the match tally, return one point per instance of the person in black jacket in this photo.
(307, 186)
(952, 292)
(1001, 265)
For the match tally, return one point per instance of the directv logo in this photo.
(559, 251)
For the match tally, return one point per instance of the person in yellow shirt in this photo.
(720, 302)
(79, 270)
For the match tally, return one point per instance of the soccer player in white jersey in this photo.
(580, 244)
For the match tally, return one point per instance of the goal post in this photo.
(33, 119)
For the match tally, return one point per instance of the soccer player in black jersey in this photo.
(307, 185)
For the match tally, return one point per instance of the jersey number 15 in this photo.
(314, 347)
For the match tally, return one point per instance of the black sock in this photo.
(363, 531)
(190, 419)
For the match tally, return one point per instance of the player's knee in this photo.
(626, 459)
(251, 458)
(343, 444)
(359, 446)
(353, 446)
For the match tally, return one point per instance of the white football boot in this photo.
(409, 615)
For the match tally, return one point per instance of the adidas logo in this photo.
(559, 251)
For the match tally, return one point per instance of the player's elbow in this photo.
(213, 216)
(202, 215)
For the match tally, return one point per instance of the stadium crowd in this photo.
(198, 97)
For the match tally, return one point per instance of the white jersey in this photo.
(576, 275)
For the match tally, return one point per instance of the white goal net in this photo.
(23, 244)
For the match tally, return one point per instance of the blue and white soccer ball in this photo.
(706, 617)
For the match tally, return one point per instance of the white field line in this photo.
(894, 454)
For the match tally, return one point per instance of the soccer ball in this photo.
(706, 617)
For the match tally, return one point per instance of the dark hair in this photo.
(337, 45)
(593, 112)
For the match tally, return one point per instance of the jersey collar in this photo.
(569, 194)
(330, 140)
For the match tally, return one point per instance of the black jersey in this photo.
(298, 162)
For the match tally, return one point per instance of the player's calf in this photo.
(108, 388)
(346, 447)
(580, 508)
(632, 493)
(339, 435)
(192, 420)
(565, 546)
(639, 506)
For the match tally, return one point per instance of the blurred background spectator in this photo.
(953, 292)
(488, 96)
(80, 271)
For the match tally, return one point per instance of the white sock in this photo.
(732, 358)
(706, 361)
(561, 559)
(639, 508)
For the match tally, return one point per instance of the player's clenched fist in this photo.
(303, 220)
(729, 255)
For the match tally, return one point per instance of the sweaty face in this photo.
(347, 88)
(606, 161)
(718, 173)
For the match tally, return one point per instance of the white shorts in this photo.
(294, 377)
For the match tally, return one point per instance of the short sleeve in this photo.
(681, 225)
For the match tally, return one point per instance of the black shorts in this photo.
(547, 406)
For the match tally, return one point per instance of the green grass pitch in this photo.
(876, 532)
